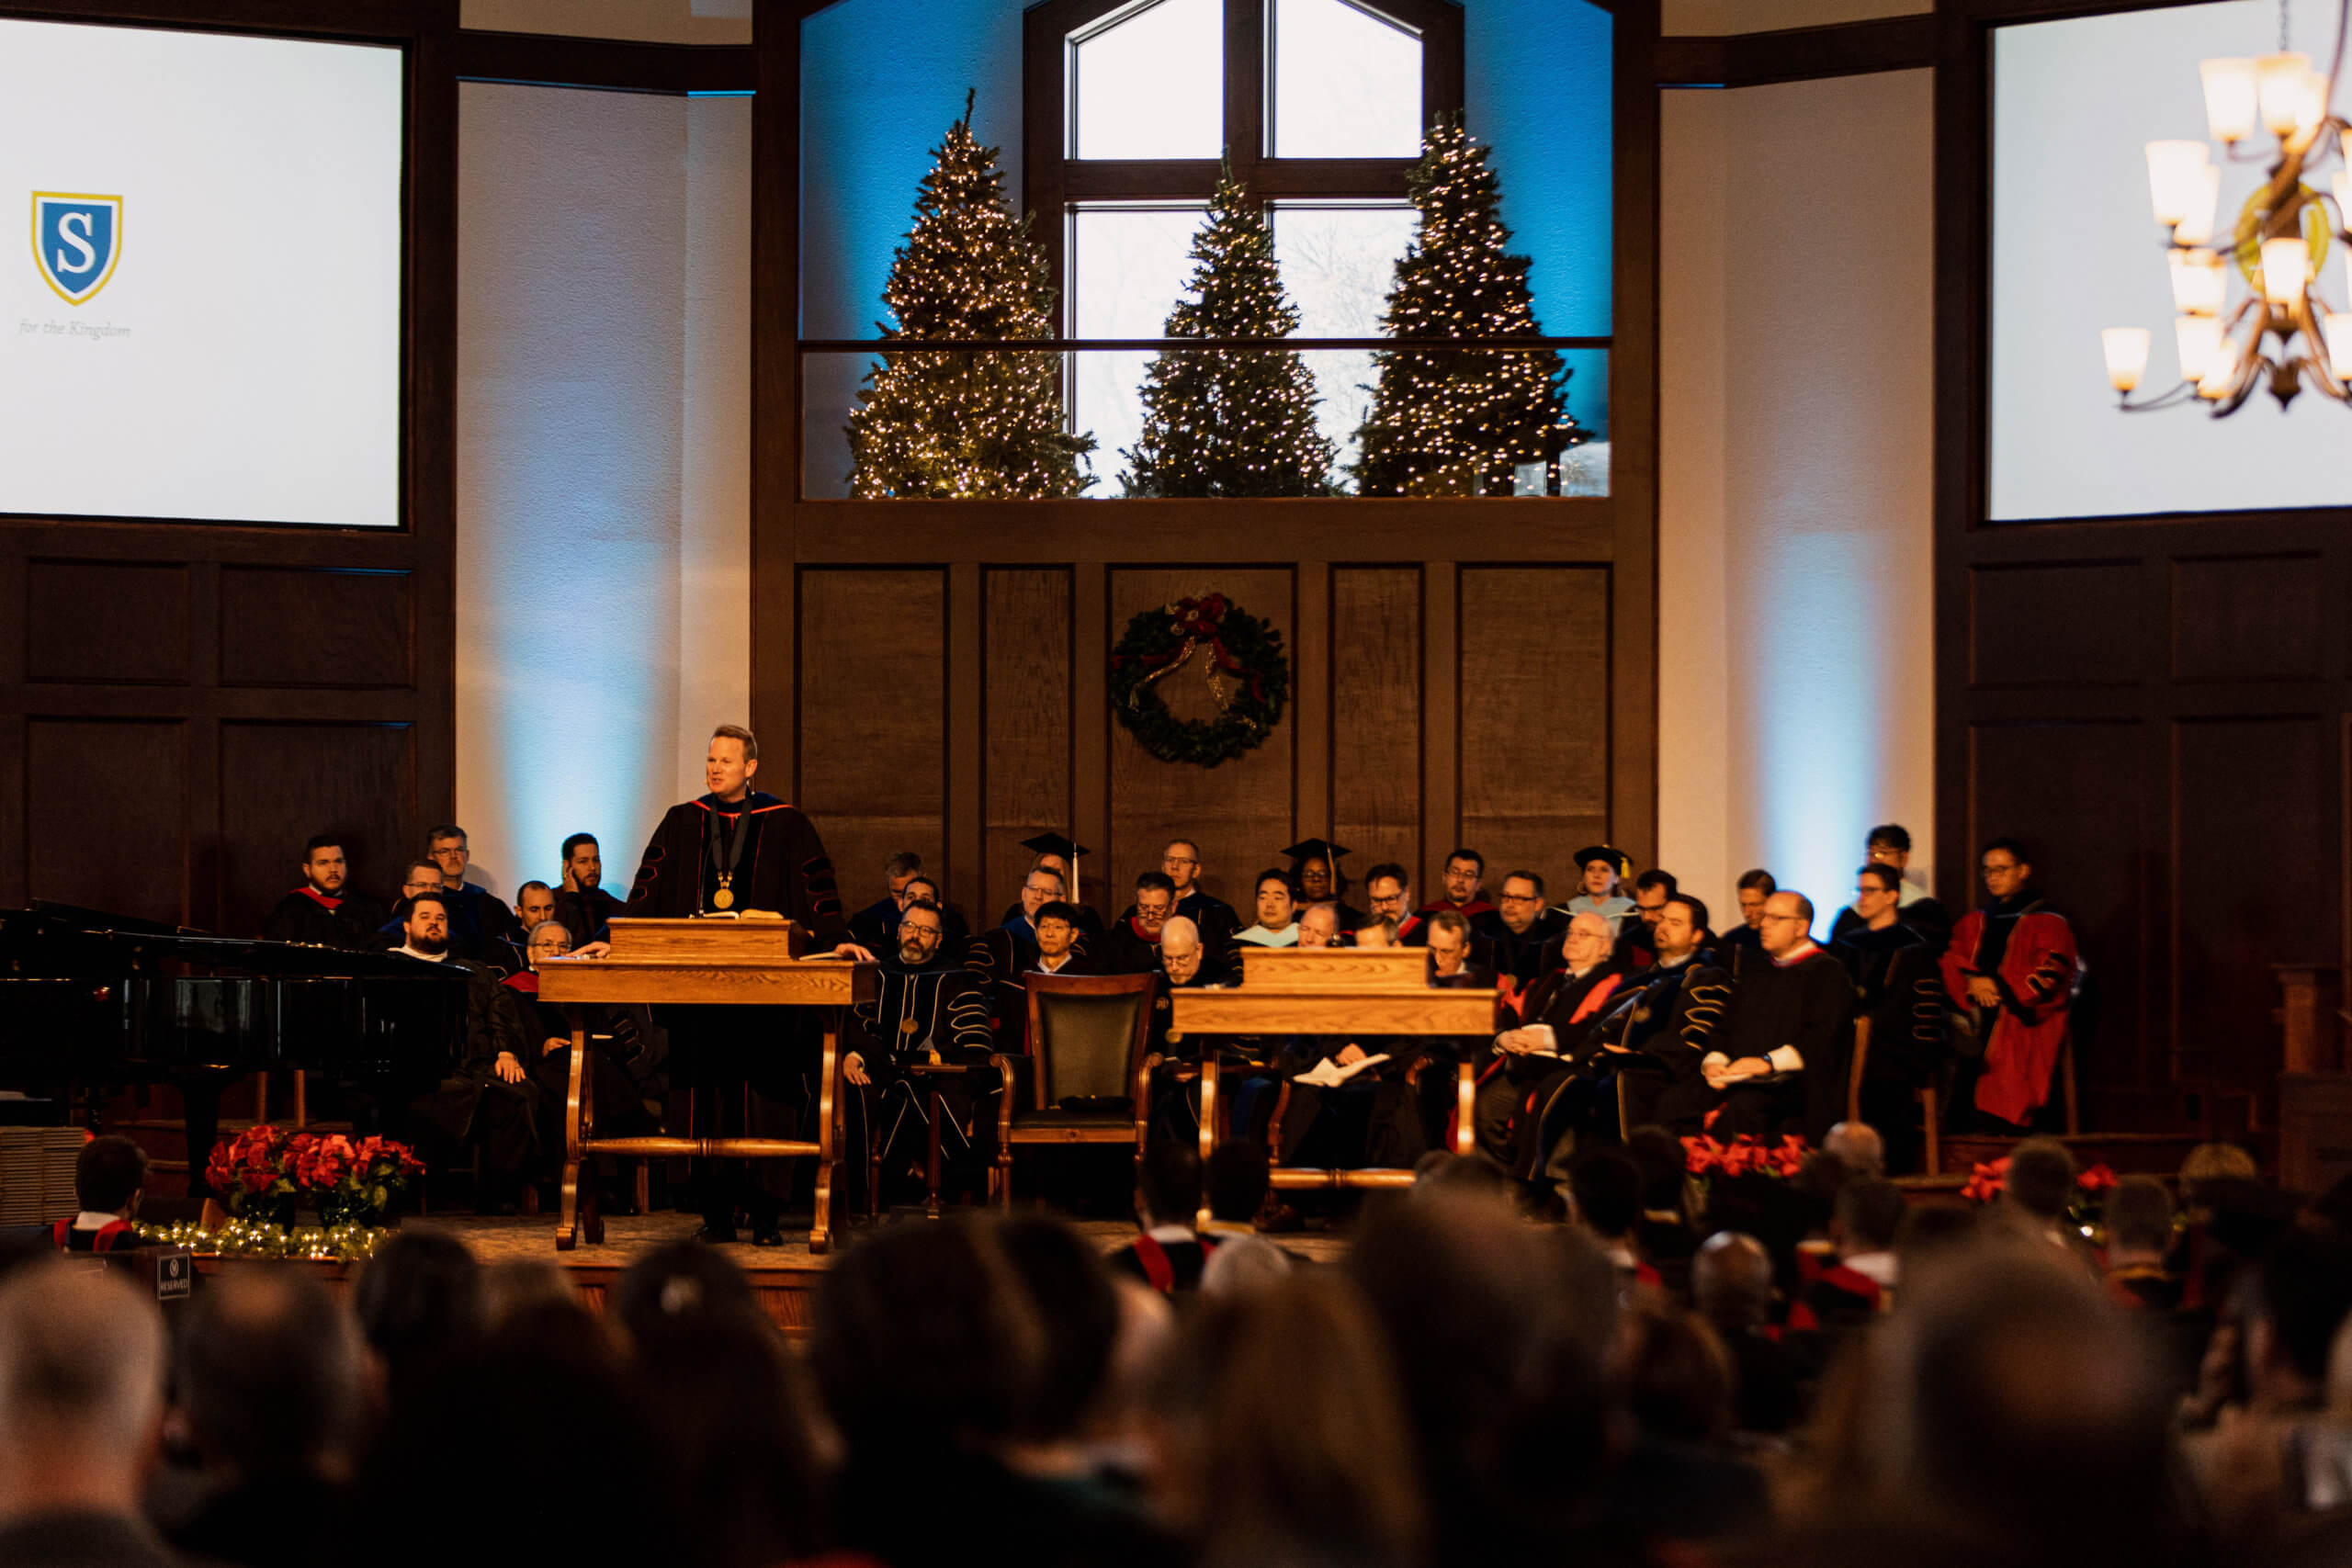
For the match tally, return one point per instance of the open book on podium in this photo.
(748, 960)
(1366, 991)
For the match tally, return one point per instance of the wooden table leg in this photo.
(591, 1204)
(930, 1159)
(829, 1136)
(567, 1233)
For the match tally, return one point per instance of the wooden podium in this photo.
(1334, 990)
(743, 962)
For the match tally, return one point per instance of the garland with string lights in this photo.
(1456, 421)
(965, 426)
(1230, 422)
(1239, 655)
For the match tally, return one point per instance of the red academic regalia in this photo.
(2037, 977)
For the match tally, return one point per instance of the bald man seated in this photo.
(80, 1411)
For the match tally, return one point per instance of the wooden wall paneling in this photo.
(1440, 721)
(2070, 789)
(312, 626)
(1630, 632)
(290, 781)
(1028, 699)
(1240, 811)
(776, 379)
(112, 623)
(2054, 624)
(1377, 710)
(1534, 715)
(873, 690)
(2250, 617)
(964, 829)
(1313, 648)
(106, 814)
(1092, 631)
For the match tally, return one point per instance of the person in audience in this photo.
(1234, 1185)
(325, 910)
(81, 1405)
(1318, 926)
(1744, 943)
(1601, 871)
(420, 1307)
(2010, 977)
(1605, 1201)
(1637, 949)
(875, 926)
(1388, 888)
(486, 1095)
(1291, 1445)
(1464, 882)
(1180, 860)
(1133, 946)
(1561, 1012)
(1890, 845)
(2040, 1189)
(1777, 1060)
(272, 1397)
(582, 903)
(1058, 941)
(1859, 1284)
(479, 923)
(930, 1010)
(1277, 905)
(1732, 1287)
(1517, 929)
(1859, 1146)
(1314, 872)
(109, 1177)
(1168, 1253)
(2138, 1220)
(1664, 1236)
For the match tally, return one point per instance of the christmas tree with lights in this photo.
(984, 426)
(1456, 421)
(1230, 421)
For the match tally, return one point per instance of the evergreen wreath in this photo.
(1243, 657)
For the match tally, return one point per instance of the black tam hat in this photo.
(1055, 844)
(1317, 849)
(1619, 862)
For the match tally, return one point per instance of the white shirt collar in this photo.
(425, 957)
(1878, 1267)
(1168, 1235)
(94, 1220)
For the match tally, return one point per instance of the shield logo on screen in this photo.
(77, 240)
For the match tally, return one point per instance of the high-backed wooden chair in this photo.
(1930, 1106)
(1085, 1078)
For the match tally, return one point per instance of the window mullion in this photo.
(1244, 88)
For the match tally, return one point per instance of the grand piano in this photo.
(91, 1000)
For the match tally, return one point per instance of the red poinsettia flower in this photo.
(1701, 1155)
(2098, 1179)
(1986, 1183)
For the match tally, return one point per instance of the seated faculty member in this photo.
(1561, 1012)
(1132, 946)
(325, 910)
(930, 1011)
(1601, 871)
(1059, 854)
(1057, 953)
(1517, 929)
(1388, 888)
(1315, 869)
(733, 849)
(1277, 905)
(582, 903)
(1778, 1061)
(1890, 845)
(1218, 922)
(485, 1095)
(874, 926)
(477, 921)
(1744, 942)
(1464, 882)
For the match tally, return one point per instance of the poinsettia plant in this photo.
(1746, 1154)
(267, 1172)
(1987, 1179)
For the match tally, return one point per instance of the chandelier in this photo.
(2281, 331)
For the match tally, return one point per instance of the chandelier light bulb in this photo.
(2198, 341)
(2196, 228)
(2279, 84)
(2229, 97)
(2174, 181)
(2201, 282)
(2343, 198)
(2311, 104)
(2338, 327)
(2286, 269)
(2126, 355)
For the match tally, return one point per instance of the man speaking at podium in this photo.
(738, 849)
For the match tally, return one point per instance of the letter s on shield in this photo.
(77, 240)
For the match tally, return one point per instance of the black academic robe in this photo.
(1897, 987)
(1807, 1003)
(483, 928)
(347, 919)
(619, 1091)
(1922, 914)
(470, 1104)
(1125, 949)
(1216, 918)
(935, 1012)
(782, 866)
(586, 913)
(1517, 956)
(1652, 1018)
(1000, 957)
(1740, 947)
(1509, 1098)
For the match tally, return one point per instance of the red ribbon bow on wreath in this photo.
(1199, 622)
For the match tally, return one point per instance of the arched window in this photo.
(1319, 104)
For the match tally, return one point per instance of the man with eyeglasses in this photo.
(421, 876)
(930, 1010)
(1890, 845)
(1777, 1062)
(1133, 946)
(875, 928)
(1464, 879)
(2009, 975)
(1897, 989)
(1212, 915)
(1388, 888)
(1517, 931)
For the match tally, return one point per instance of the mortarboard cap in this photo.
(1618, 860)
(1323, 850)
(1054, 844)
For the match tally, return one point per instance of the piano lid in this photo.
(52, 939)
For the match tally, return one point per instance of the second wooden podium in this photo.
(744, 963)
